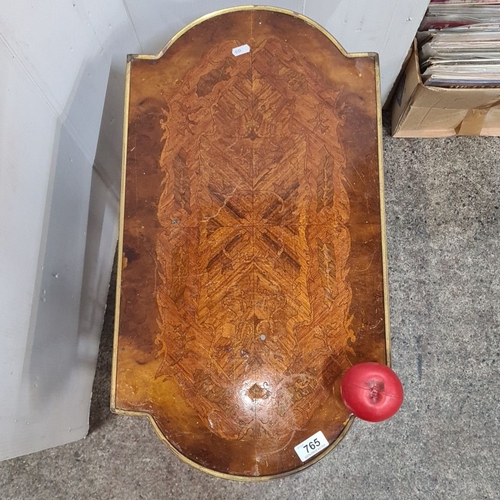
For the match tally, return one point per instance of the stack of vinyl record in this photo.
(459, 44)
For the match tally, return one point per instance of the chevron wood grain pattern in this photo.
(252, 269)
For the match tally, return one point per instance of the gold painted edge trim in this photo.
(120, 240)
(383, 226)
(132, 57)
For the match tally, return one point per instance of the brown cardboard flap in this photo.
(472, 124)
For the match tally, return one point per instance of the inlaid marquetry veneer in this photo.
(252, 268)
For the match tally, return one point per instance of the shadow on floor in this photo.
(101, 390)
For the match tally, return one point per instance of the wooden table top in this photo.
(252, 270)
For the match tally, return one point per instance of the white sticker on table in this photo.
(311, 446)
(242, 49)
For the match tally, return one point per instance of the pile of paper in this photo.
(459, 44)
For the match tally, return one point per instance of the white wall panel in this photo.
(51, 40)
(55, 59)
(112, 26)
(55, 320)
(51, 403)
(102, 236)
(27, 125)
(67, 48)
(156, 21)
(383, 26)
(109, 147)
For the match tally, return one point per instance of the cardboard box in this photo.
(419, 111)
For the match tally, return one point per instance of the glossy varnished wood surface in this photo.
(252, 269)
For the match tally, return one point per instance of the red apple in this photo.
(371, 391)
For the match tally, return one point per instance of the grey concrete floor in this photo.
(443, 230)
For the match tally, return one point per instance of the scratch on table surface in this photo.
(226, 200)
(369, 264)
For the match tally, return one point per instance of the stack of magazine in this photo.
(459, 43)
